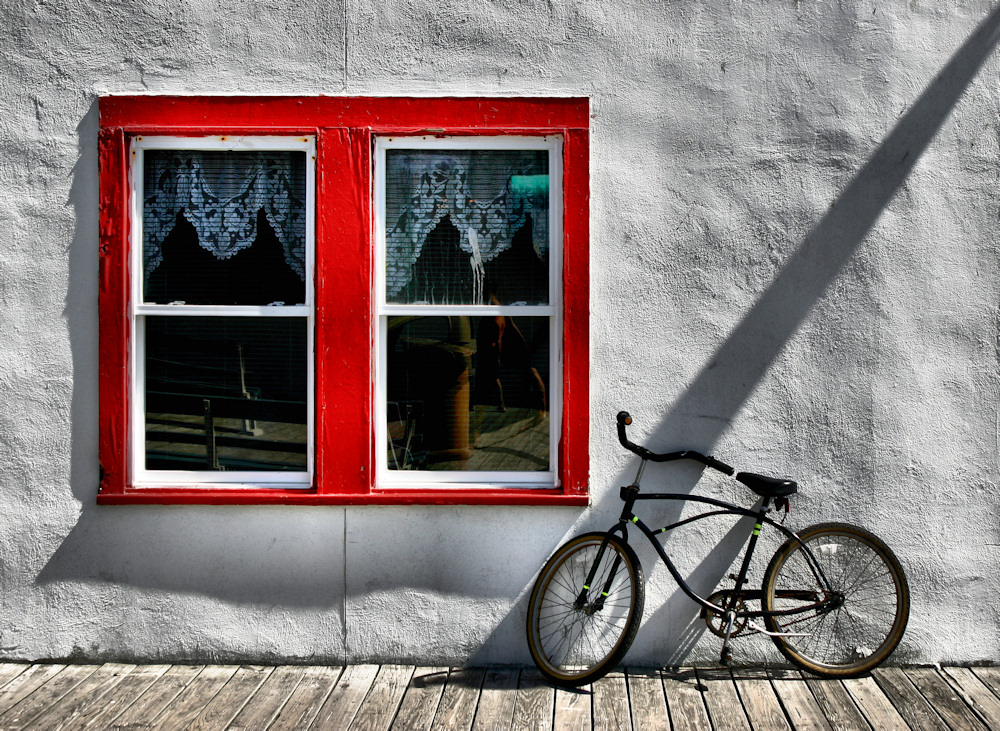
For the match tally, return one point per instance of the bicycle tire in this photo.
(859, 634)
(573, 645)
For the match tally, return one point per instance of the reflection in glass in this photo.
(468, 393)
(224, 228)
(467, 227)
(226, 393)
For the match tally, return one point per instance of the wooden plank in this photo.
(876, 707)
(307, 698)
(725, 710)
(158, 696)
(649, 705)
(228, 702)
(800, 706)
(836, 704)
(346, 698)
(67, 711)
(685, 700)
(990, 676)
(535, 702)
(192, 700)
(24, 712)
(610, 699)
(572, 709)
(976, 694)
(496, 701)
(760, 701)
(416, 712)
(457, 708)
(10, 670)
(119, 698)
(948, 704)
(26, 683)
(912, 706)
(265, 704)
(379, 708)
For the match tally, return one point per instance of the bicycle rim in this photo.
(866, 621)
(573, 644)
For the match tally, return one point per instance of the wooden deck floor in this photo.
(113, 696)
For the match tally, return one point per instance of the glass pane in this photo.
(468, 393)
(226, 393)
(467, 227)
(224, 228)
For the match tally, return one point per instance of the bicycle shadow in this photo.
(662, 639)
(703, 412)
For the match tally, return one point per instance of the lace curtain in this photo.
(221, 194)
(487, 194)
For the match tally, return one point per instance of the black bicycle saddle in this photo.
(767, 486)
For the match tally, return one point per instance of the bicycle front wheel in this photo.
(853, 624)
(578, 631)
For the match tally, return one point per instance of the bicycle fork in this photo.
(581, 603)
(597, 605)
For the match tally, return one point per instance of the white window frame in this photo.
(139, 312)
(469, 479)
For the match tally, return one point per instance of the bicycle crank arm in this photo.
(757, 628)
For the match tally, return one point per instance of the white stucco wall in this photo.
(778, 277)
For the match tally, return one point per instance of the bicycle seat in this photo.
(767, 486)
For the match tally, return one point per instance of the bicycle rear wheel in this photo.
(865, 620)
(578, 634)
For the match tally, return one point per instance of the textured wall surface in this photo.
(794, 266)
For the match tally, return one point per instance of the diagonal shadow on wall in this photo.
(739, 364)
(743, 359)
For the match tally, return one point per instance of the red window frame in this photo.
(344, 128)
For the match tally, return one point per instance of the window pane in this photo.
(224, 228)
(467, 226)
(226, 393)
(468, 393)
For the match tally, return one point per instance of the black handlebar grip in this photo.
(624, 420)
(719, 465)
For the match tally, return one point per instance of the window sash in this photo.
(140, 312)
(468, 479)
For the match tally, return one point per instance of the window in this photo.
(468, 292)
(321, 300)
(221, 309)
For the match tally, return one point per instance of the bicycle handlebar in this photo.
(624, 419)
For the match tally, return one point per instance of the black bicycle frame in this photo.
(631, 494)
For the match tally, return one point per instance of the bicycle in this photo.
(833, 599)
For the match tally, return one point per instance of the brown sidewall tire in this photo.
(544, 590)
(875, 548)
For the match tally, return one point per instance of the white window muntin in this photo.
(139, 311)
(458, 479)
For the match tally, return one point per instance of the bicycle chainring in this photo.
(716, 622)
